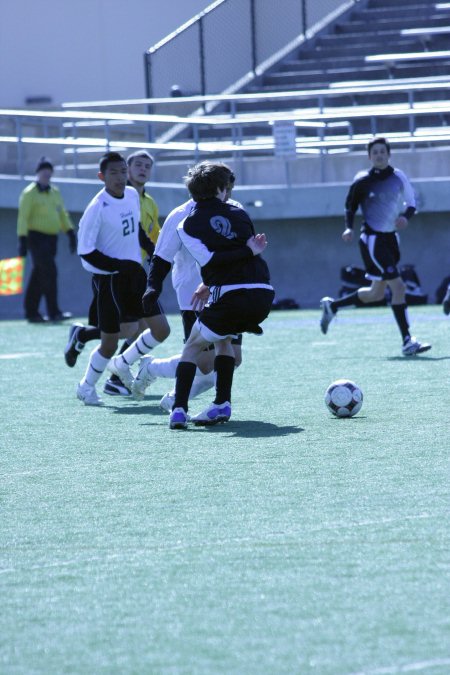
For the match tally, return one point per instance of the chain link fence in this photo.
(229, 43)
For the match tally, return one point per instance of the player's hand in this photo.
(257, 244)
(149, 299)
(401, 223)
(347, 234)
(200, 297)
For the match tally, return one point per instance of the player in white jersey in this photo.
(186, 279)
(109, 244)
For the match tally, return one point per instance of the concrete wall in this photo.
(303, 225)
(84, 50)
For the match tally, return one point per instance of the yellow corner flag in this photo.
(11, 276)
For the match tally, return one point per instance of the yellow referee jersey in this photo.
(42, 211)
(149, 218)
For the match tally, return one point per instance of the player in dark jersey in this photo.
(222, 239)
(387, 201)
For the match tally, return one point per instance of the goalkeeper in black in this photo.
(387, 201)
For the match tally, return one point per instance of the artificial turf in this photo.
(286, 541)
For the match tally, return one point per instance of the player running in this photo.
(387, 200)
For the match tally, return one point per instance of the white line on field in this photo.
(406, 668)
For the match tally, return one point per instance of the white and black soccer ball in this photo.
(343, 398)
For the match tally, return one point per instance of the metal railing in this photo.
(79, 137)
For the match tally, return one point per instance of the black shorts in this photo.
(381, 254)
(239, 311)
(189, 317)
(118, 299)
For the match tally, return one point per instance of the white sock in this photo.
(202, 383)
(141, 346)
(164, 367)
(96, 367)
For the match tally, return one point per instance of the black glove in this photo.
(23, 247)
(72, 241)
(149, 298)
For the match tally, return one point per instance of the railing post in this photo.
(201, 46)
(19, 147)
(253, 40)
(148, 92)
(304, 17)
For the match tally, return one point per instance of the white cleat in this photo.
(88, 394)
(143, 379)
(118, 366)
(167, 401)
(215, 413)
(412, 347)
(327, 314)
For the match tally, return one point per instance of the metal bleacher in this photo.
(381, 68)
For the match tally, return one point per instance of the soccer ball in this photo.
(343, 398)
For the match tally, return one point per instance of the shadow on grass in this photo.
(416, 359)
(251, 429)
(148, 407)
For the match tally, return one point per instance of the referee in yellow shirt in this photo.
(41, 217)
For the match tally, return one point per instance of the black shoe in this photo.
(37, 318)
(116, 388)
(61, 316)
(446, 302)
(73, 347)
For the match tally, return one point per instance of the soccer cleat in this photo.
(73, 347)
(118, 366)
(37, 318)
(412, 347)
(60, 316)
(143, 379)
(327, 314)
(178, 419)
(167, 401)
(215, 413)
(88, 394)
(446, 302)
(116, 388)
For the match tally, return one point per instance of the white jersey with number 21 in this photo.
(111, 225)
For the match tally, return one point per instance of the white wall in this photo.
(82, 49)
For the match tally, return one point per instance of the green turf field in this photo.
(287, 541)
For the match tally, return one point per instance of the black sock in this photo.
(224, 367)
(185, 376)
(401, 317)
(126, 344)
(347, 301)
(88, 333)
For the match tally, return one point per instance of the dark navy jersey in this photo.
(383, 195)
(216, 233)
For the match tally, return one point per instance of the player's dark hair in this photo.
(108, 158)
(204, 179)
(139, 153)
(381, 141)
